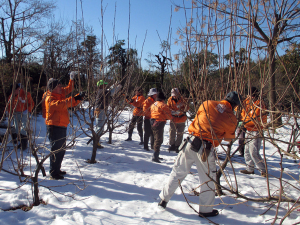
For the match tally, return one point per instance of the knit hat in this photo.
(233, 98)
(174, 92)
(152, 91)
(52, 83)
(101, 82)
(160, 96)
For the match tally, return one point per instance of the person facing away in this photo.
(178, 106)
(254, 117)
(160, 113)
(57, 120)
(147, 113)
(103, 99)
(214, 122)
(137, 101)
(20, 104)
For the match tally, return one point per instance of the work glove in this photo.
(72, 75)
(79, 96)
(21, 100)
(175, 113)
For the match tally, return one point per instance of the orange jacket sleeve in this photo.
(137, 102)
(68, 89)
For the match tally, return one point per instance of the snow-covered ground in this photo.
(123, 187)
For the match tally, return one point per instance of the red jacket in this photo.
(21, 102)
(214, 121)
(146, 107)
(179, 107)
(160, 111)
(137, 102)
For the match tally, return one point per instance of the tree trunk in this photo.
(275, 117)
(94, 152)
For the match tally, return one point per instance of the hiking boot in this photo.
(128, 139)
(263, 174)
(24, 142)
(210, 214)
(156, 160)
(163, 204)
(141, 143)
(61, 172)
(14, 138)
(99, 146)
(56, 177)
(172, 148)
(246, 172)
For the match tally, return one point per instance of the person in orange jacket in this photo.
(254, 117)
(178, 106)
(160, 113)
(20, 104)
(214, 122)
(57, 120)
(147, 113)
(137, 101)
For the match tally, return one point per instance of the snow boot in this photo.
(24, 142)
(14, 137)
(156, 160)
(172, 148)
(142, 141)
(210, 214)
(129, 138)
(246, 172)
(163, 204)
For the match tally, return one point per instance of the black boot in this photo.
(14, 137)
(24, 142)
(172, 148)
(163, 204)
(142, 142)
(129, 137)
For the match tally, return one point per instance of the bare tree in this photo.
(22, 25)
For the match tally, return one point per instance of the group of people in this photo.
(215, 121)
(156, 112)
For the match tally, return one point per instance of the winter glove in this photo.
(175, 113)
(72, 75)
(79, 96)
(240, 124)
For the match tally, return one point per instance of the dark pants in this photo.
(241, 147)
(148, 134)
(139, 121)
(158, 133)
(57, 137)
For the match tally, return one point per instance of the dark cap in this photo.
(52, 83)
(160, 96)
(233, 98)
(254, 92)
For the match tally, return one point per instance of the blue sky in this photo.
(150, 22)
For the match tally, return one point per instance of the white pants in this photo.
(252, 156)
(100, 122)
(182, 167)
